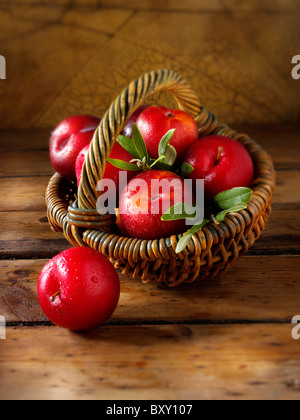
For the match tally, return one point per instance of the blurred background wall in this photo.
(74, 56)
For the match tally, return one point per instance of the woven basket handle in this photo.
(118, 114)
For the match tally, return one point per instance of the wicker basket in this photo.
(211, 251)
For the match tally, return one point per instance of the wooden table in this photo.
(228, 338)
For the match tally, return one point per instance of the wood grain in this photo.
(174, 362)
(23, 303)
(25, 140)
(24, 193)
(24, 164)
(31, 237)
(229, 338)
(24, 186)
(21, 237)
(281, 141)
(28, 192)
(36, 141)
(256, 289)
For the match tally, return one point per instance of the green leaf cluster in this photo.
(137, 148)
(229, 201)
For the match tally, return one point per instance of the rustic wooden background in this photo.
(74, 56)
(229, 338)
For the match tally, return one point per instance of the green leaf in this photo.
(180, 211)
(186, 169)
(171, 155)
(139, 144)
(221, 216)
(120, 164)
(231, 198)
(184, 241)
(167, 151)
(128, 145)
(164, 142)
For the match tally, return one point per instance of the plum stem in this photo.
(220, 151)
(52, 299)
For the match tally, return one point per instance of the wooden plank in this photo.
(25, 152)
(33, 163)
(28, 234)
(287, 187)
(168, 362)
(24, 140)
(228, 338)
(271, 137)
(281, 141)
(282, 233)
(31, 236)
(21, 193)
(24, 194)
(256, 289)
